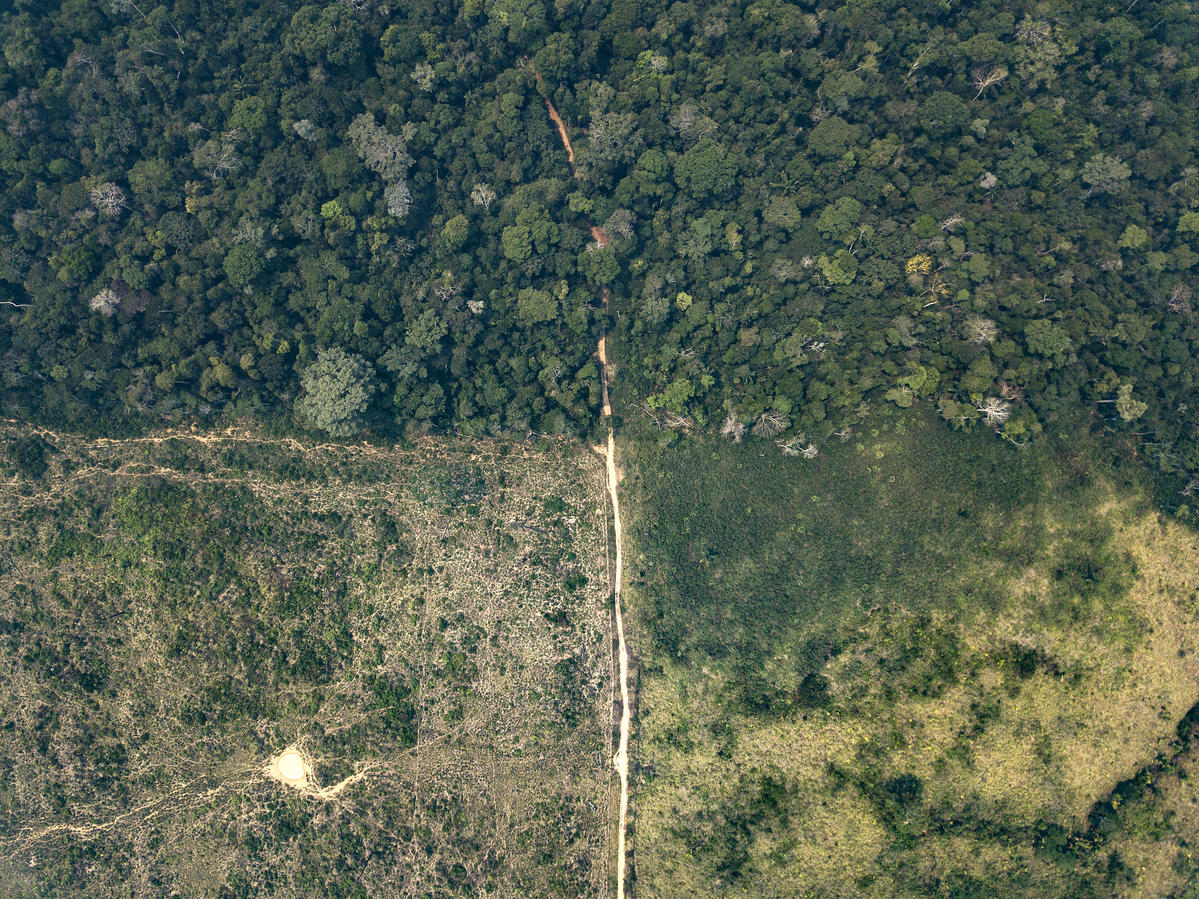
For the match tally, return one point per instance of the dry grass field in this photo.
(424, 632)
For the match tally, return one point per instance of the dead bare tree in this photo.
(446, 287)
(985, 78)
(771, 423)
(980, 330)
(649, 413)
(483, 196)
(674, 420)
(1010, 391)
(106, 302)
(732, 427)
(1180, 300)
(108, 199)
(916, 64)
(994, 411)
(215, 158)
(1033, 31)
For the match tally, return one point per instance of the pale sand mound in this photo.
(290, 768)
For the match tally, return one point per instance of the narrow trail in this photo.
(557, 119)
(554, 117)
(243, 783)
(598, 234)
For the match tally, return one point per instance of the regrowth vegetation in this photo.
(426, 629)
(920, 664)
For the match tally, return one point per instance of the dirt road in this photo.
(621, 760)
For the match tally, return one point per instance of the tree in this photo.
(783, 213)
(149, 179)
(839, 269)
(674, 397)
(832, 137)
(1188, 223)
(243, 264)
(557, 56)
(1128, 408)
(338, 388)
(612, 139)
(1133, 238)
(398, 199)
(522, 18)
(331, 35)
(535, 305)
(534, 229)
(517, 243)
(455, 232)
(425, 334)
(1048, 339)
(1105, 174)
(942, 114)
(384, 153)
(248, 115)
(599, 264)
(704, 169)
(980, 376)
(839, 218)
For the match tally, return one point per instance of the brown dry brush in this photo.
(178, 608)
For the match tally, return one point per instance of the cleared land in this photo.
(236, 666)
(922, 664)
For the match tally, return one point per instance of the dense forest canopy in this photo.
(357, 215)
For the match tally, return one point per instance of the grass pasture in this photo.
(921, 664)
(427, 628)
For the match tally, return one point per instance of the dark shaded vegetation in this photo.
(757, 554)
(28, 454)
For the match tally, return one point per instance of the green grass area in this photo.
(910, 666)
(427, 626)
